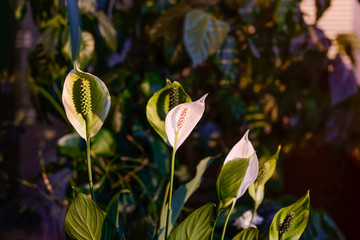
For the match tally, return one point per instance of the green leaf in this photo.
(267, 168)
(86, 221)
(197, 225)
(162, 102)
(86, 99)
(103, 144)
(107, 30)
(203, 34)
(74, 22)
(290, 222)
(247, 234)
(182, 195)
(230, 179)
(71, 145)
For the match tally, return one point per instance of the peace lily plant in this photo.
(174, 116)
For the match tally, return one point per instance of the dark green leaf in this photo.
(109, 231)
(290, 222)
(282, 9)
(71, 145)
(197, 226)
(162, 102)
(203, 35)
(247, 234)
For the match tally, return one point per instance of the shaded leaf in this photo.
(203, 34)
(71, 145)
(197, 226)
(103, 143)
(181, 196)
(290, 222)
(247, 234)
(107, 30)
(342, 82)
(282, 9)
(162, 102)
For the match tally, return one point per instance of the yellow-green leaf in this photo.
(247, 234)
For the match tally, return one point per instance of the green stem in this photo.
(227, 218)
(214, 225)
(171, 187)
(89, 158)
(253, 215)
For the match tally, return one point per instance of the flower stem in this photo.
(253, 215)
(214, 225)
(89, 158)
(171, 188)
(227, 218)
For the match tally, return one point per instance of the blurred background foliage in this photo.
(264, 68)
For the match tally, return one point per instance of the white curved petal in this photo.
(182, 119)
(244, 149)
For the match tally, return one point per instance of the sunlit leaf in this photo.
(290, 222)
(247, 234)
(86, 99)
(203, 34)
(197, 226)
(86, 221)
(182, 119)
(162, 102)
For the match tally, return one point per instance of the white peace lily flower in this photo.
(182, 119)
(243, 221)
(244, 149)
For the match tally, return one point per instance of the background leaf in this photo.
(290, 222)
(74, 22)
(197, 226)
(103, 143)
(107, 30)
(203, 34)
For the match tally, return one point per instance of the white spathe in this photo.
(182, 119)
(244, 149)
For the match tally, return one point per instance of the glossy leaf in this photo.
(267, 167)
(86, 99)
(162, 102)
(290, 222)
(86, 221)
(247, 234)
(74, 22)
(182, 195)
(107, 30)
(182, 119)
(203, 34)
(197, 226)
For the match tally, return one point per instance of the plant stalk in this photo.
(214, 225)
(171, 187)
(227, 219)
(88, 158)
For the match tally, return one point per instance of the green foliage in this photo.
(290, 222)
(203, 35)
(247, 234)
(107, 30)
(162, 102)
(230, 179)
(85, 221)
(181, 196)
(74, 22)
(197, 225)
